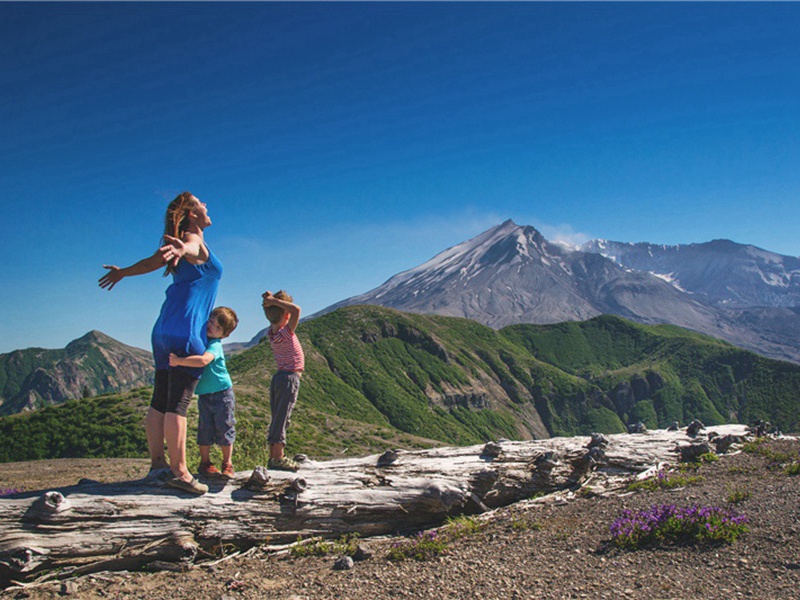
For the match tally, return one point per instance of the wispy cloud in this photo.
(563, 234)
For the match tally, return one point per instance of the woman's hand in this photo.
(115, 274)
(173, 250)
(174, 360)
(112, 278)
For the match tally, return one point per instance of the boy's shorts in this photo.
(216, 422)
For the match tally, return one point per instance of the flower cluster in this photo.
(667, 523)
(8, 491)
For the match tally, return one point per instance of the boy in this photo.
(283, 316)
(216, 403)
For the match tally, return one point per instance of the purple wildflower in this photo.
(667, 522)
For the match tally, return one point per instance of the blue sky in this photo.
(337, 144)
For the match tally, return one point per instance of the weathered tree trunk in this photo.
(94, 526)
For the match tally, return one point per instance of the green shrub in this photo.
(663, 480)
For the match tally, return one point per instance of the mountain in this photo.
(721, 273)
(378, 378)
(91, 365)
(511, 274)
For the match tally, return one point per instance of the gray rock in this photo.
(694, 428)
(598, 441)
(362, 553)
(343, 563)
(298, 484)
(694, 451)
(637, 427)
(388, 458)
(724, 443)
(258, 479)
(491, 450)
(68, 588)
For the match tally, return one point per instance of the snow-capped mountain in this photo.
(720, 272)
(512, 274)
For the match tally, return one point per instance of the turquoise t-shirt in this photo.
(215, 376)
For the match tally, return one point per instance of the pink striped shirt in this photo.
(287, 350)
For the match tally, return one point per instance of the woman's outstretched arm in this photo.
(146, 265)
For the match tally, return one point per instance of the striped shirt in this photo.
(287, 349)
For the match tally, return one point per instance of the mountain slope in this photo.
(378, 378)
(660, 374)
(511, 274)
(455, 380)
(721, 272)
(91, 365)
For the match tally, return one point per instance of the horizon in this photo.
(572, 247)
(338, 144)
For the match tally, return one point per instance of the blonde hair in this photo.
(226, 318)
(176, 221)
(274, 314)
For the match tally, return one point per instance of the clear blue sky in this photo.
(338, 144)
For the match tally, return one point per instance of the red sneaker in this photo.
(209, 470)
(227, 470)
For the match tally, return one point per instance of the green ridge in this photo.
(378, 378)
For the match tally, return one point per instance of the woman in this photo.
(180, 328)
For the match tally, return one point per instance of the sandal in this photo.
(193, 486)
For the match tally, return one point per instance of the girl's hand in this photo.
(173, 250)
(112, 278)
(174, 359)
(265, 298)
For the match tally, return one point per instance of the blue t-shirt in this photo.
(215, 377)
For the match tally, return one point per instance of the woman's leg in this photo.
(154, 421)
(154, 429)
(181, 388)
(175, 433)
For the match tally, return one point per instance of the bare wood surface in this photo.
(107, 526)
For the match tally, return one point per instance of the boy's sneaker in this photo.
(283, 464)
(227, 470)
(209, 470)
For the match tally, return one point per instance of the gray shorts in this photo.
(216, 423)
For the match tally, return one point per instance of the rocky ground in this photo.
(535, 549)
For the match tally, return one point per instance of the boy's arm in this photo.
(292, 309)
(196, 361)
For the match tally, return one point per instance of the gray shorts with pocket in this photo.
(217, 422)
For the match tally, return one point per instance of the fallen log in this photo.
(125, 525)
